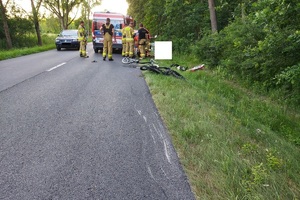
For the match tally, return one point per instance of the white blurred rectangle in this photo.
(163, 50)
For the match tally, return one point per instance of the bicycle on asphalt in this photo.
(128, 60)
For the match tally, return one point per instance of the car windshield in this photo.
(69, 33)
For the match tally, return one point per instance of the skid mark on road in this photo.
(159, 132)
(166, 151)
(145, 118)
(150, 172)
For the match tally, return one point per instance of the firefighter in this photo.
(83, 40)
(142, 41)
(124, 41)
(148, 44)
(108, 32)
(129, 40)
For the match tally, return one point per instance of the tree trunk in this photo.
(213, 17)
(5, 26)
(38, 33)
(243, 11)
(36, 23)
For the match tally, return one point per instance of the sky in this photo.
(119, 6)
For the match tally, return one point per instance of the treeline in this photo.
(257, 41)
(21, 28)
(23, 32)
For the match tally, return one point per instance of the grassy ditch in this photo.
(30, 47)
(233, 143)
(4, 54)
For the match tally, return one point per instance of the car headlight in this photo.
(74, 40)
(56, 40)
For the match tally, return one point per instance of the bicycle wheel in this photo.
(125, 60)
(151, 68)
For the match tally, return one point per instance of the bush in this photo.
(208, 49)
(289, 81)
(260, 58)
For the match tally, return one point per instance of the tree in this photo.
(50, 24)
(136, 8)
(213, 17)
(86, 9)
(62, 9)
(35, 18)
(154, 16)
(5, 24)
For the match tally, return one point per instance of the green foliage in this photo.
(137, 9)
(21, 30)
(50, 25)
(249, 148)
(154, 16)
(273, 161)
(261, 49)
(289, 81)
(172, 19)
(278, 51)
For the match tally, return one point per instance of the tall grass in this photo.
(233, 143)
(28, 46)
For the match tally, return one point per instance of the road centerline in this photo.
(49, 70)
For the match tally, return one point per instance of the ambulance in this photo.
(116, 19)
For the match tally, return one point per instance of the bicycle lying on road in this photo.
(154, 67)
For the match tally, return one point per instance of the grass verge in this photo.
(233, 143)
(4, 54)
(27, 46)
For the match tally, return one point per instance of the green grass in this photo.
(27, 46)
(233, 143)
(4, 54)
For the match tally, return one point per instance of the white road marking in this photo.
(49, 70)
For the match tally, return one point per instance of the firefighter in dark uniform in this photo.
(108, 32)
(143, 36)
(82, 39)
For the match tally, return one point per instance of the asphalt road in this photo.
(75, 129)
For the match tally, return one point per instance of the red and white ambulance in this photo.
(117, 19)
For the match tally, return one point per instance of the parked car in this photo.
(67, 39)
